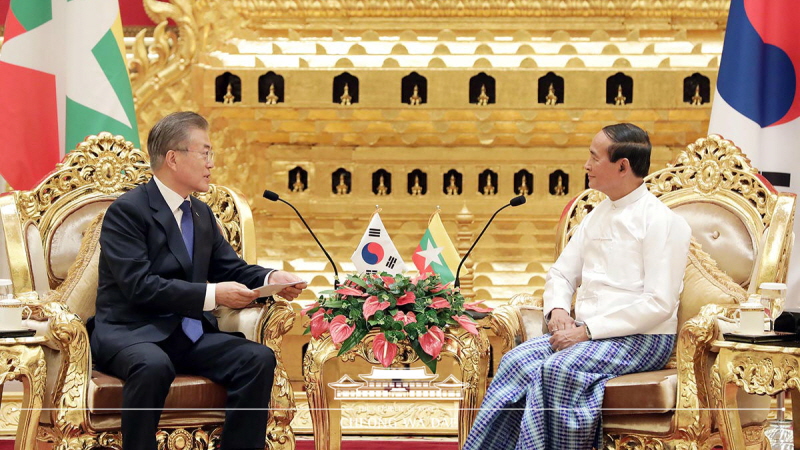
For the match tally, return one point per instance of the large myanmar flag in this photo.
(436, 252)
(62, 77)
(757, 103)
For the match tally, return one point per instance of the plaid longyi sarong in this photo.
(545, 400)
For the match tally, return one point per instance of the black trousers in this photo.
(245, 368)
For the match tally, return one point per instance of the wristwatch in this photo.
(588, 333)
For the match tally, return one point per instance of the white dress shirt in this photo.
(626, 260)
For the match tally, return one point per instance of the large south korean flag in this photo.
(757, 103)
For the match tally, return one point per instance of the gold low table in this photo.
(756, 369)
(23, 359)
(470, 352)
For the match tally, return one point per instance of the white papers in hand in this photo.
(272, 289)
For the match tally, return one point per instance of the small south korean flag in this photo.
(376, 253)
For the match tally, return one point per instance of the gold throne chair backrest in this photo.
(741, 237)
(52, 238)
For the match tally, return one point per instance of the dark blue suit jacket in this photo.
(147, 282)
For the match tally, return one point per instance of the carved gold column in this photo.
(465, 219)
(470, 352)
(23, 359)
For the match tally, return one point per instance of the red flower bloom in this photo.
(420, 277)
(340, 330)
(408, 297)
(464, 321)
(318, 324)
(475, 306)
(372, 305)
(351, 292)
(439, 303)
(406, 318)
(432, 341)
(308, 308)
(388, 281)
(384, 350)
(439, 287)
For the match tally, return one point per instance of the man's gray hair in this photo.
(170, 133)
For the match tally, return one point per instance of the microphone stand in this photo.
(516, 201)
(335, 272)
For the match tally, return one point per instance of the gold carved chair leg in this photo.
(24, 361)
(272, 327)
(327, 424)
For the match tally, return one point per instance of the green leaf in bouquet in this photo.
(377, 319)
(326, 293)
(430, 315)
(357, 280)
(349, 343)
(426, 359)
(394, 336)
(332, 304)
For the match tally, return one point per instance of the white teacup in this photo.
(751, 319)
(11, 311)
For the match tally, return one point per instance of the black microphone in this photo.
(516, 201)
(272, 196)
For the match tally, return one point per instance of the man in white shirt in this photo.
(626, 261)
(164, 266)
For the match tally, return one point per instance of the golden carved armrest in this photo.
(261, 323)
(67, 336)
(519, 320)
(693, 365)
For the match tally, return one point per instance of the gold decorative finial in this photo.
(416, 190)
(381, 187)
(488, 188)
(697, 99)
(523, 187)
(452, 189)
(228, 97)
(298, 185)
(272, 99)
(483, 99)
(551, 98)
(415, 98)
(345, 99)
(341, 188)
(559, 189)
(619, 99)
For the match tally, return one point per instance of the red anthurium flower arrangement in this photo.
(415, 310)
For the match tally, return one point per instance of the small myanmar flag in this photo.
(63, 77)
(436, 253)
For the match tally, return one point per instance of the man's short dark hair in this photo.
(631, 142)
(170, 133)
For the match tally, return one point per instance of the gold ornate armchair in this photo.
(745, 227)
(54, 268)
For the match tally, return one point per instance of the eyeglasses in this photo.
(207, 155)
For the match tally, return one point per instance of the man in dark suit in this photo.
(164, 265)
